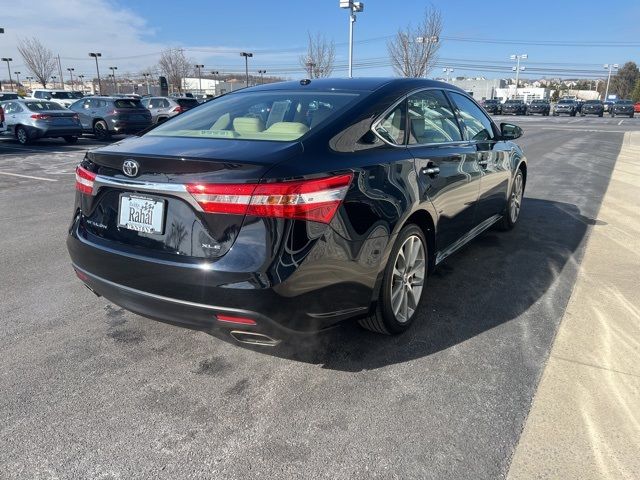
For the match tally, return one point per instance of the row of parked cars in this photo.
(67, 115)
(563, 107)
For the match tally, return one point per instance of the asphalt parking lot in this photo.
(92, 391)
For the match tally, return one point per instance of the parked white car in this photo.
(61, 97)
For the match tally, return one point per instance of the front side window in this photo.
(477, 125)
(431, 118)
(278, 115)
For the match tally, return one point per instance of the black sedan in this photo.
(492, 106)
(289, 207)
(592, 107)
(514, 107)
(566, 107)
(542, 107)
(622, 107)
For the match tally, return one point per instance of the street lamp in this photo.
(518, 68)
(96, 55)
(354, 7)
(30, 79)
(607, 66)
(81, 77)
(199, 78)
(146, 78)
(6, 59)
(262, 72)
(53, 79)
(71, 70)
(447, 70)
(246, 56)
(113, 75)
(429, 41)
(17, 79)
(215, 74)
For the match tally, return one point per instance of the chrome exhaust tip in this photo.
(254, 338)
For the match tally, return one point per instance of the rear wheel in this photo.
(22, 135)
(402, 285)
(70, 139)
(100, 130)
(512, 212)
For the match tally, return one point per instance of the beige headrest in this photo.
(247, 125)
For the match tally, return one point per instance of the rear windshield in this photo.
(127, 103)
(280, 115)
(187, 102)
(514, 101)
(40, 106)
(539, 101)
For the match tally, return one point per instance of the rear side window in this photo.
(279, 115)
(431, 119)
(476, 124)
(393, 125)
(187, 102)
(127, 103)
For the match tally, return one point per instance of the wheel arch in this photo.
(423, 219)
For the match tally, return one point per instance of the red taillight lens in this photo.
(235, 320)
(84, 180)
(314, 200)
(178, 109)
(40, 116)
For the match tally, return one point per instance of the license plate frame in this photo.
(158, 213)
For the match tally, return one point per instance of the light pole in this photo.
(447, 70)
(53, 79)
(246, 56)
(7, 59)
(262, 72)
(146, 79)
(81, 77)
(607, 66)
(113, 75)
(17, 79)
(215, 74)
(429, 41)
(30, 79)
(71, 70)
(96, 55)
(199, 78)
(518, 68)
(354, 7)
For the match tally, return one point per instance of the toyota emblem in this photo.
(130, 168)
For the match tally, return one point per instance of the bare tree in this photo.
(320, 57)
(175, 65)
(40, 61)
(414, 51)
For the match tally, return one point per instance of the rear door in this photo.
(448, 174)
(491, 157)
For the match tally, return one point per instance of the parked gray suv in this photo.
(106, 116)
(163, 108)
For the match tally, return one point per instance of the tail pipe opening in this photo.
(254, 338)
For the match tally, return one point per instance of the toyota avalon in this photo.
(287, 208)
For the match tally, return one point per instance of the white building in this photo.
(479, 88)
(523, 93)
(208, 86)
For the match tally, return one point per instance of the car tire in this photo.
(101, 130)
(613, 115)
(600, 115)
(514, 205)
(631, 116)
(70, 139)
(403, 284)
(22, 135)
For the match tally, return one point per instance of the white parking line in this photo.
(28, 176)
(620, 122)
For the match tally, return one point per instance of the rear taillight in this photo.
(40, 116)
(235, 320)
(315, 200)
(178, 109)
(84, 180)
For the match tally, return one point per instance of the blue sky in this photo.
(130, 34)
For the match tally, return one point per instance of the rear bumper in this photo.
(37, 132)
(323, 289)
(118, 127)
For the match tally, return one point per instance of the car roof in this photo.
(354, 84)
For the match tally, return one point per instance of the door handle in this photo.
(431, 170)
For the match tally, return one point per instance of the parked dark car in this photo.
(492, 106)
(542, 107)
(30, 119)
(514, 107)
(622, 107)
(106, 116)
(566, 107)
(592, 107)
(335, 201)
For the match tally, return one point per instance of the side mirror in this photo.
(508, 131)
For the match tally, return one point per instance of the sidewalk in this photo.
(585, 419)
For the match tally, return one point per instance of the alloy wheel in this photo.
(409, 272)
(22, 136)
(516, 198)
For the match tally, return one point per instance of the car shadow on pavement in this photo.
(493, 280)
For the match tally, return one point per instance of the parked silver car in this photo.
(29, 119)
(106, 116)
(163, 108)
